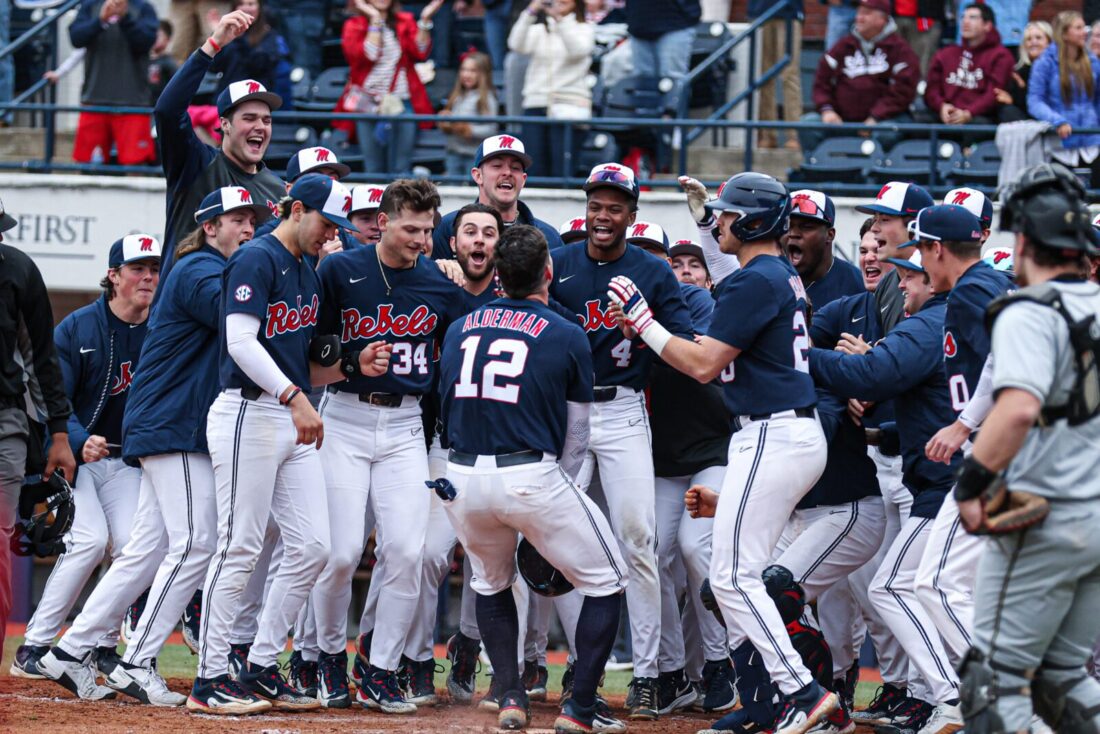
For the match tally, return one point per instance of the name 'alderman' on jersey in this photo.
(505, 318)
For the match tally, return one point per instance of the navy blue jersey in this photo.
(700, 304)
(580, 284)
(762, 311)
(965, 338)
(347, 240)
(441, 236)
(506, 372)
(421, 304)
(127, 345)
(264, 280)
(843, 279)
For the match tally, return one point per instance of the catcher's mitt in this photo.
(1009, 511)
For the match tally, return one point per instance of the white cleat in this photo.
(144, 684)
(945, 719)
(78, 676)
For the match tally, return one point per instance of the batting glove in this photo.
(697, 197)
(623, 292)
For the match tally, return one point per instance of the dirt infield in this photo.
(41, 706)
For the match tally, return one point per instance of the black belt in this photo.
(513, 459)
(798, 412)
(113, 453)
(604, 394)
(382, 399)
(251, 393)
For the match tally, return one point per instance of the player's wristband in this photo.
(349, 363)
(656, 336)
(293, 394)
(217, 48)
(973, 480)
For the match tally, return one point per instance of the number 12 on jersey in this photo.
(492, 383)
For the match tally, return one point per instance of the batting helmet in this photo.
(46, 509)
(763, 203)
(542, 577)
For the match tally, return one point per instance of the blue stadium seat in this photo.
(636, 96)
(326, 89)
(286, 140)
(839, 160)
(431, 150)
(303, 85)
(596, 148)
(980, 167)
(911, 160)
(337, 142)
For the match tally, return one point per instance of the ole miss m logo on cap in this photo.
(146, 244)
(253, 87)
(347, 204)
(246, 196)
(375, 196)
(323, 154)
(960, 197)
(639, 230)
(506, 142)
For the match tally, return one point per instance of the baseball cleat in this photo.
(380, 691)
(674, 692)
(269, 683)
(643, 699)
(26, 660)
(361, 664)
(76, 675)
(130, 619)
(886, 699)
(604, 721)
(491, 700)
(224, 696)
(144, 684)
(302, 675)
(838, 722)
(513, 713)
(736, 721)
(332, 681)
(190, 622)
(462, 678)
(719, 693)
(419, 681)
(574, 718)
(105, 660)
(238, 656)
(946, 718)
(535, 678)
(802, 711)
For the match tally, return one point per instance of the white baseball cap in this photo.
(133, 247)
(366, 196)
(498, 145)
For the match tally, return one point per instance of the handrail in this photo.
(53, 15)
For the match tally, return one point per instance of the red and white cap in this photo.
(243, 91)
(647, 233)
(498, 145)
(133, 247)
(573, 230)
(1096, 221)
(226, 199)
(898, 199)
(974, 201)
(365, 197)
(315, 159)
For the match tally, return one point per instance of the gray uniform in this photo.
(1038, 591)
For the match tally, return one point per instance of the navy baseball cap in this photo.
(245, 91)
(131, 248)
(315, 159)
(327, 196)
(647, 234)
(688, 247)
(499, 145)
(810, 204)
(913, 263)
(898, 199)
(573, 230)
(226, 199)
(614, 176)
(945, 222)
(975, 201)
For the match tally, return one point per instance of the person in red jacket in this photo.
(381, 43)
(963, 80)
(869, 76)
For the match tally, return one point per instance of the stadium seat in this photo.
(709, 90)
(980, 167)
(636, 96)
(326, 90)
(839, 160)
(208, 88)
(348, 153)
(431, 150)
(303, 84)
(596, 148)
(911, 160)
(286, 140)
(468, 33)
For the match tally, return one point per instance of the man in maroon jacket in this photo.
(869, 76)
(962, 79)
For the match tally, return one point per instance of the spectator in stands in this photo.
(838, 21)
(559, 42)
(870, 76)
(116, 36)
(191, 20)
(661, 35)
(773, 46)
(1012, 17)
(962, 80)
(1013, 98)
(381, 44)
(1063, 91)
(472, 95)
(303, 24)
(443, 53)
(261, 54)
(161, 65)
(920, 24)
(498, 15)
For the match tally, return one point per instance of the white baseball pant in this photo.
(105, 496)
(373, 454)
(842, 625)
(260, 472)
(682, 539)
(620, 445)
(772, 464)
(945, 579)
(247, 622)
(894, 595)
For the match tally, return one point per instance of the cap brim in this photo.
(720, 206)
(693, 250)
(879, 209)
(647, 244)
(343, 222)
(821, 219)
(271, 99)
(910, 243)
(898, 262)
(341, 169)
(525, 159)
(7, 221)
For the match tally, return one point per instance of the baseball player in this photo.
(500, 171)
(376, 449)
(901, 367)
(99, 348)
(192, 168)
(268, 323)
(809, 246)
(572, 230)
(365, 199)
(516, 382)
(945, 578)
(688, 449)
(1035, 606)
(163, 431)
(719, 264)
(620, 439)
(689, 264)
(757, 345)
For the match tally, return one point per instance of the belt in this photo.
(381, 399)
(797, 413)
(513, 459)
(251, 393)
(113, 453)
(604, 394)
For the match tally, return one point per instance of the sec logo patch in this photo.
(950, 349)
(243, 293)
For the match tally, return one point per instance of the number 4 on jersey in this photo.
(487, 385)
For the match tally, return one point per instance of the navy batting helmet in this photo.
(539, 574)
(46, 511)
(763, 203)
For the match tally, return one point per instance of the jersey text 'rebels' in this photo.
(282, 319)
(420, 322)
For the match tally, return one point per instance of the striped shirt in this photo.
(386, 59)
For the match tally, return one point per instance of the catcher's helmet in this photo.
(1047, 204)
(763, 203)
(542, 577)
(42, 529)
